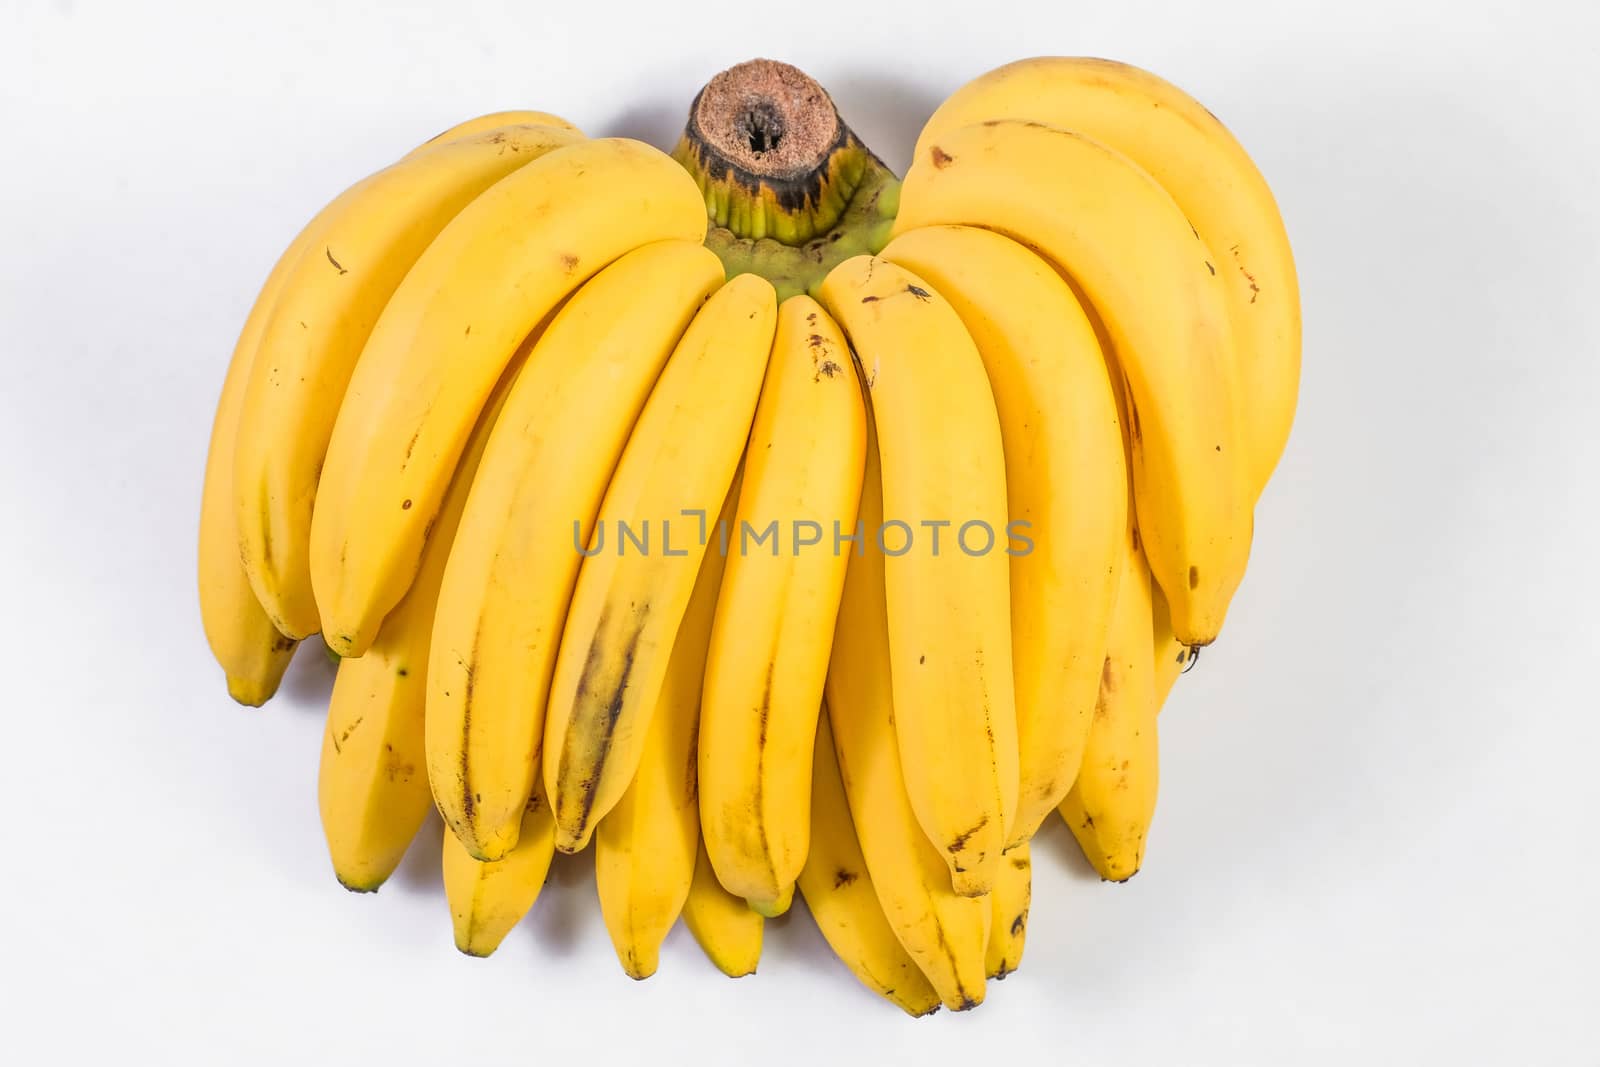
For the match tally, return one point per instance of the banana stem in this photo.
(790, 190)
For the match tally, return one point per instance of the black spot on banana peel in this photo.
(790, 190)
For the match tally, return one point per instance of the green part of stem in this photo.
(863, 229)
(790, 190)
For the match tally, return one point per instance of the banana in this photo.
(774, 624)
(1153, 284)
(842, 899)
(628, 603)
(489, 278)
(506, 589)
(1192, 155)
(1111, 804)
(947, 935)
(319, 324)
(251, 651)
(1172, 656)
(1008, 927)
(728, 932)
(488, 899)
(493, 121)
(1065, 478)
(943, 478)
(372, 786)
(645, 848)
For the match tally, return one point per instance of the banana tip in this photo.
(1118, 873)
(639, 968)
(572, 840)
(356, 886)
(968, 884)
(248, 692)
(771, 909)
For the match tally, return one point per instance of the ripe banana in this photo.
(1154, 286)
(372, 786)
(485, 282)
(774, 623)
(947, 935)
(949, 620)
(533, 503)
(728, 932)
(252, 652)
(1114, 798)
(645, 847)
(311, 342)
(844, 902)
(493, 121)
(1184, 147)
(1008, 929)
(488, 899)
(1065, 478)
(627, 605)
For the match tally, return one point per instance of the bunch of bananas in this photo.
(760, 518)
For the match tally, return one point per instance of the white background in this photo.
(1377, 838)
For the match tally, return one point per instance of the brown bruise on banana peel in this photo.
(465, 830)
(767, 909)
(597, 707)
(1019, 922)
(964, 999)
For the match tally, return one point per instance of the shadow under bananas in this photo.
(420, 871)
(655, 123)
(1054, 844)
(308, 682)
(567, 907)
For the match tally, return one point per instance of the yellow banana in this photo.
(1114, 798)
(947, 573)
(493, 121)
(1008, 929)
(947, 935)
(842, 899)
(372, 786)
(774, 623)
(1065, 478)
(309, 347)
(645, 847)
(629, 601)
(1153, 283)
(728, 932)
(492, 275)
(488, 899)
(1193, 156)
(544, 471)
(252, 652)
